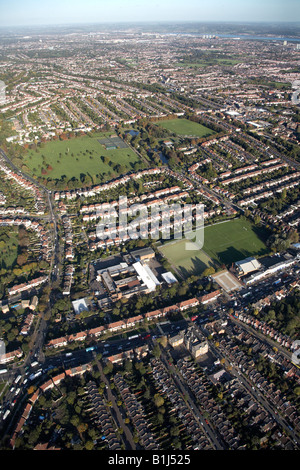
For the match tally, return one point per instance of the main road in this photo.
(39, 334)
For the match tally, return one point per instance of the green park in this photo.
(82, 156)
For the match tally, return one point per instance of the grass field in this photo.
(186, 262)
(77, 156)
(186, 127)
(224, 243)
(234, 240)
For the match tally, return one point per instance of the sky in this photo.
(45, 12)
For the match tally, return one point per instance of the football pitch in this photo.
(234, 240)
(186, 262)
(224, 243)
(186, 127)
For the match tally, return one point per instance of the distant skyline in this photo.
(58, 12)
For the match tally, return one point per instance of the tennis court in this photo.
(114, 141)
(227, 281)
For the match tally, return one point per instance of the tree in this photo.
(158, 400)
(156, 350)
(82, 427)
(128, 366)
(297, 391)
(75, 420)
(34, 435)
(71, 398)
(163, 341)
(22, 258)
(174, 431)
(208, 272)
(257, 219)
(89, 445)
(31, 390)
(271, 315)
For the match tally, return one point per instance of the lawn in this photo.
(79, 156)
(234, 240)
(186, 127)
(224, 243)
(186, 262)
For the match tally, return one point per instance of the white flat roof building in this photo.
(169, 277)
(146, 275)
(79, 306)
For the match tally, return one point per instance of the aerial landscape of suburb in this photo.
(149, 227)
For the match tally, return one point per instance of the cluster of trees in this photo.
(158, 408)
(278, 203)
(118, 168)
(68, 419)
(274, 373)
(10, 328)
(284, 315)
(18, 263)
(288, 148)
(73, 418)
(280, 242)
(5, 131)
(208, 171)
(239, 186)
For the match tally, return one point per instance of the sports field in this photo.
(79, 156)
(234, 240)
(224, 243)
(185, 262)
(186, 127)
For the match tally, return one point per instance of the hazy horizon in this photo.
(17, 13)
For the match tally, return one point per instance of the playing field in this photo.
(186, 127)
(79, 156)
(224, 243)
(234, 240)
(186, 262)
